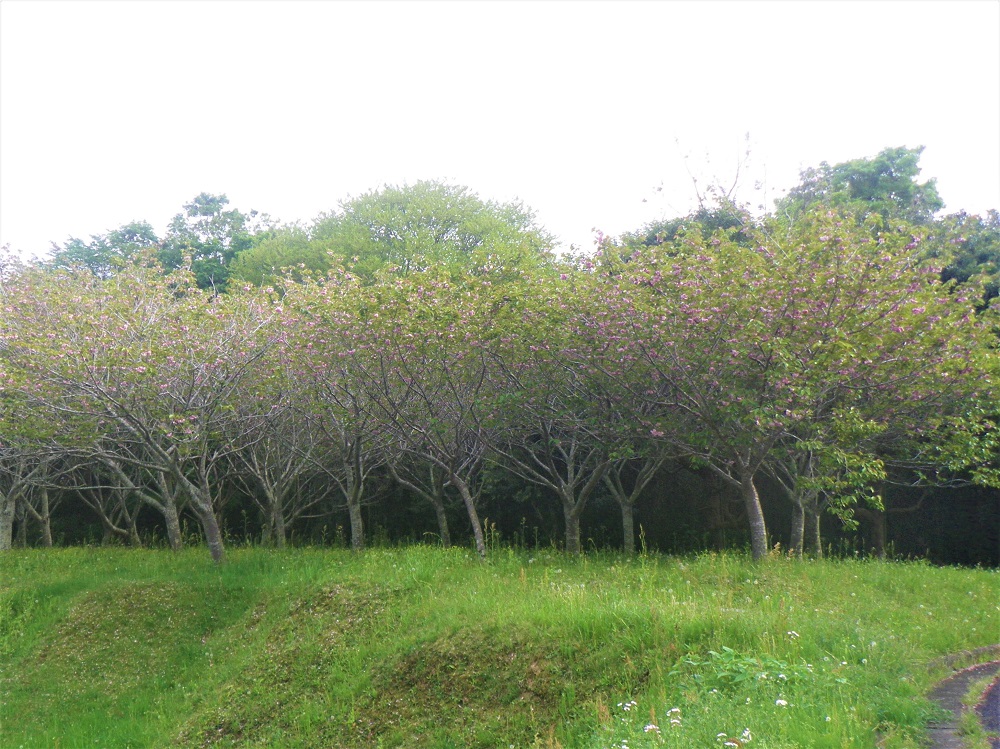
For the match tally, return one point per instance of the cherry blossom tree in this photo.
(750, 343)
(140, 367)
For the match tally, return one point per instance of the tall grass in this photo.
(425, 647)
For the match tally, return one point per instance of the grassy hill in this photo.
(423, 647)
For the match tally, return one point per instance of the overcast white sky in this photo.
(119, 111)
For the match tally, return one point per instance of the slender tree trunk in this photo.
(133, 534)
(572, 517)
(22, 525)
(45, 518)
(755, 517)
(278, 525)
(878, 532)
(442, 520)
(470, 508)
(357, 523)
(213, 533)
(173, 524)
(813, 515)
(797, 541)
(7, 504)
(628, 525)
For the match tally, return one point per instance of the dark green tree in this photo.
(886, 184)
(207, 237)
(708, 219)
(106, 254)
(974, 244)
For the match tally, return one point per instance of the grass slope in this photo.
(423, 647)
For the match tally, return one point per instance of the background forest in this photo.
(419, 365)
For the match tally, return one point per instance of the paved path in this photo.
(949, 694)
(989, 711)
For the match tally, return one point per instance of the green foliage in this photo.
(725, 218)
(973, 256)
(400, 230)
(886, 185)
(106, 254)
(206, 237)
(729, 670)
(287, 250)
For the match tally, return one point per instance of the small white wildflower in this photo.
(827, 718)
(720, 735)
(746, 736)
(731, 743)
(781, 703)
(650, 728)
(793, 634)
(674, 711)
(674, 722)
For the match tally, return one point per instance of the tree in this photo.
(562, 412)
(886, 185)
(206, 237)
(107, 254)
(973, 251)
(748, 346)
(433, 378)
(139, 369)
(326, 343)
(287, 249)
(410, 228)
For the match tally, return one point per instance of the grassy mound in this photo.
(425, 647)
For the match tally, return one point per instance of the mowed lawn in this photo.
(427, 647)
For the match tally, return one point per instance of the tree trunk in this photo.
(755, 517)
(357, 523)
(44, 517)
(572, 518)
(212, 532)
(173, 523)
(470, 508)
(813, 515)
(442, 521)
(7, 504)
(133, 534)
(878, 532)
(21, 516)
(278, 525)
(797, 540)
(628, 526)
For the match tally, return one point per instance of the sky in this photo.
(598, 115)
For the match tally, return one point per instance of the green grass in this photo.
(423, 647)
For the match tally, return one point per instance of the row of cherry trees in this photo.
(814, 352)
